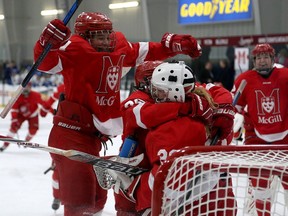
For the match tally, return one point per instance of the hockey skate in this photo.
(4, 147)
(56, 204)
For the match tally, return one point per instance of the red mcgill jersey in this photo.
(161, 142)
(141, 116)
(27, 106)
(139, 110)
(267, 103)
(92, 78)
(140, 113)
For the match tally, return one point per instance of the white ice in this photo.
(24, 189)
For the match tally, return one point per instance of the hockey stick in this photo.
(80, 156)
(33, 69)
(214, 141)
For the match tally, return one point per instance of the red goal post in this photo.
(178, 179)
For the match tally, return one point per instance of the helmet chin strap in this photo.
(264, 72)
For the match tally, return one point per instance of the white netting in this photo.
(204, 184)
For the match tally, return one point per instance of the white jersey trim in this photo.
(272, 137)
(137, 111)
(143, 51)
(58, 68)
(111, 127)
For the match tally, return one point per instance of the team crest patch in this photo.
(23, 109)
(268, 104)
(112, 77)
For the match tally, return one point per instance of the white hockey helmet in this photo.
(171, 81)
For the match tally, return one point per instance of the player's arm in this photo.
(169, 46)
(141, 111)
(44, 107)
(219, 94)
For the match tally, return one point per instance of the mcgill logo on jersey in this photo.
(268, 107)
(110, 81)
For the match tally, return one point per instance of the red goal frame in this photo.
(163, 170)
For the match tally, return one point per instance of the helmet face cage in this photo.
(27, 89)
(171, 81)
(97, 29)
(102, 40)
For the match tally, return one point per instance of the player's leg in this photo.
(79, 188)
(55, 189)
(33, 126)
(14, 127)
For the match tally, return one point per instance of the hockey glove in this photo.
(182, 44)
(197, 107)
(55, 33)
(15, 125)
(45, 110)
(223, 119)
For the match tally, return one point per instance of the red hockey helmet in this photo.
(93, 25)
(263, 48)
(143, 74)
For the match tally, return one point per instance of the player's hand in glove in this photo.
(182, 44)
(15, 125)
(197, 107)
(223, 120)
(45, 110)
(55, 33)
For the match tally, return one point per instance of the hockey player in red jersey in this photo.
(166, 125)
(26, 108)
(92, 62)
(54, 97)
(265, 120)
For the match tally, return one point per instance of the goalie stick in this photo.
(34, 67)
(214, 141)
(81, 157)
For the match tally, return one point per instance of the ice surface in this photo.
(24, 189)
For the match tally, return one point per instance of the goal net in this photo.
(223, 180)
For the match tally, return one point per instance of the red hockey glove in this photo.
(55, 33)
(43, 113)
(223, 119)
(46, 109)
(197, 107)
(185, 44)
(15, 126)
(185, 108)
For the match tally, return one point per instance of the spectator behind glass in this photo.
(10, 70)
(225, 74)
(282, 57)
(206, 75)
